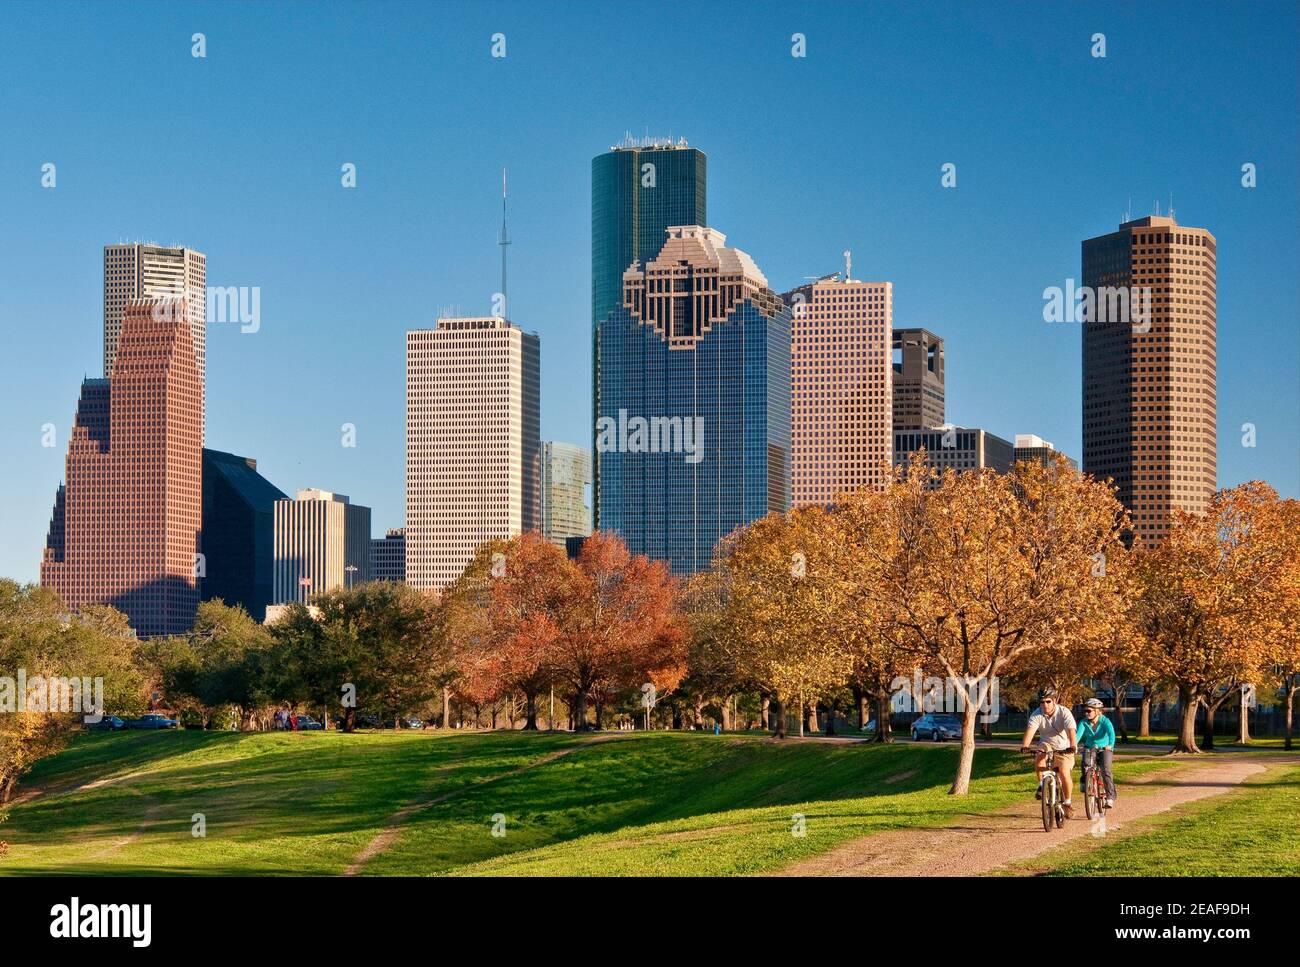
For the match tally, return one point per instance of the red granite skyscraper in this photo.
(126, 524)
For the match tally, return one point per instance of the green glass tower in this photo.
(639, 189)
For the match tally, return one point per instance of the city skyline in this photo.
(343, 313)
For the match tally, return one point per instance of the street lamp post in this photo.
(351, 568)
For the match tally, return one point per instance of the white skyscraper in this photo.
(322, 542)
(473, 438)
(144, 271)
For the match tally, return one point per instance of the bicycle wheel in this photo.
(1090, 804)
(1049, 804)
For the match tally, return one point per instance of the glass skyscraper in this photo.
(639, 189)
(693, 418)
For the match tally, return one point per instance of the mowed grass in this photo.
(616, 804)
(1252, 831)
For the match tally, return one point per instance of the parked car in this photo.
(152, 720)
(412, 723)
(308, 724)
(108, 723)
(938, 728)
(368, 722)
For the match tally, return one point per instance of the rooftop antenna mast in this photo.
(503, 242)
(848, 266)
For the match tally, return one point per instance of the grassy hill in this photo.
(423, 803)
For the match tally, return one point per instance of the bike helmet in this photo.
(1046, 693)
(1093, 703)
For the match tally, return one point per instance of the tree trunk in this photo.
(764, 711)
(1243, 723)
(1144, 716)
(830, 716)
(530, 711)
(810, 717)
(1119, 715)
(1186, 741)
(884, 729)
(446, 707)
(860, 703)
(580, 711)
(961, 785)
(726, 714)
(1292, 687)
(8, 789)
(775, 713)
(699, 713)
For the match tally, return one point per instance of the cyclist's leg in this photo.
(1106, 758)
(1064, 766)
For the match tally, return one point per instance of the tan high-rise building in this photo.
(841, 387)
(918, 379)
(322, 542)
(473, 441)
(126, 524)
(145, 271)
(1149, 384)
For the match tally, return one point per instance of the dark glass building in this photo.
(693, 422)
(238, 532)
(639, 189)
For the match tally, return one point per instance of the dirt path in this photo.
(393, 828)
(980, 843)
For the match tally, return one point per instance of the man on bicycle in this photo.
(1058, 734)
(1097, 736)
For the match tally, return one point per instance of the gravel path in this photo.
(980, 843)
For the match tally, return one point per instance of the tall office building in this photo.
(961, 448)
(473, 441)
(918, 379)
(841, 387)
(238, 532)
(388, 556)
(639, 188)
(126, 524)
(693, 432)
(147, 271)
(1149, 393)
(565, 478)
(1034, 448)
(322, 542)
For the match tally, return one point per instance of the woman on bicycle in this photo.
(1098, 735)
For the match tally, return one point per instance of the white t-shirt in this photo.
(1058, 729)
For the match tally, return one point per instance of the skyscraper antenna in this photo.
(848, 266)
(504, 241)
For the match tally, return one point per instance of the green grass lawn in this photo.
(1252, 831)
(308, 803)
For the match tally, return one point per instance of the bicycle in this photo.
(1053, 808)
(1094, 786)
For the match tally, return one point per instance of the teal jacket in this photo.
(1102, 737)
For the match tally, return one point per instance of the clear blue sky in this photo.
(238, 155)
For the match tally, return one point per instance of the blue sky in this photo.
(238, 155)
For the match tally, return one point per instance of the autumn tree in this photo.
(781, 626)
(1208, 602)
(618, 625)
(988, 567)
(524, 605)
(711, 672)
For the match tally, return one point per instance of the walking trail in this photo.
(981, 843)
